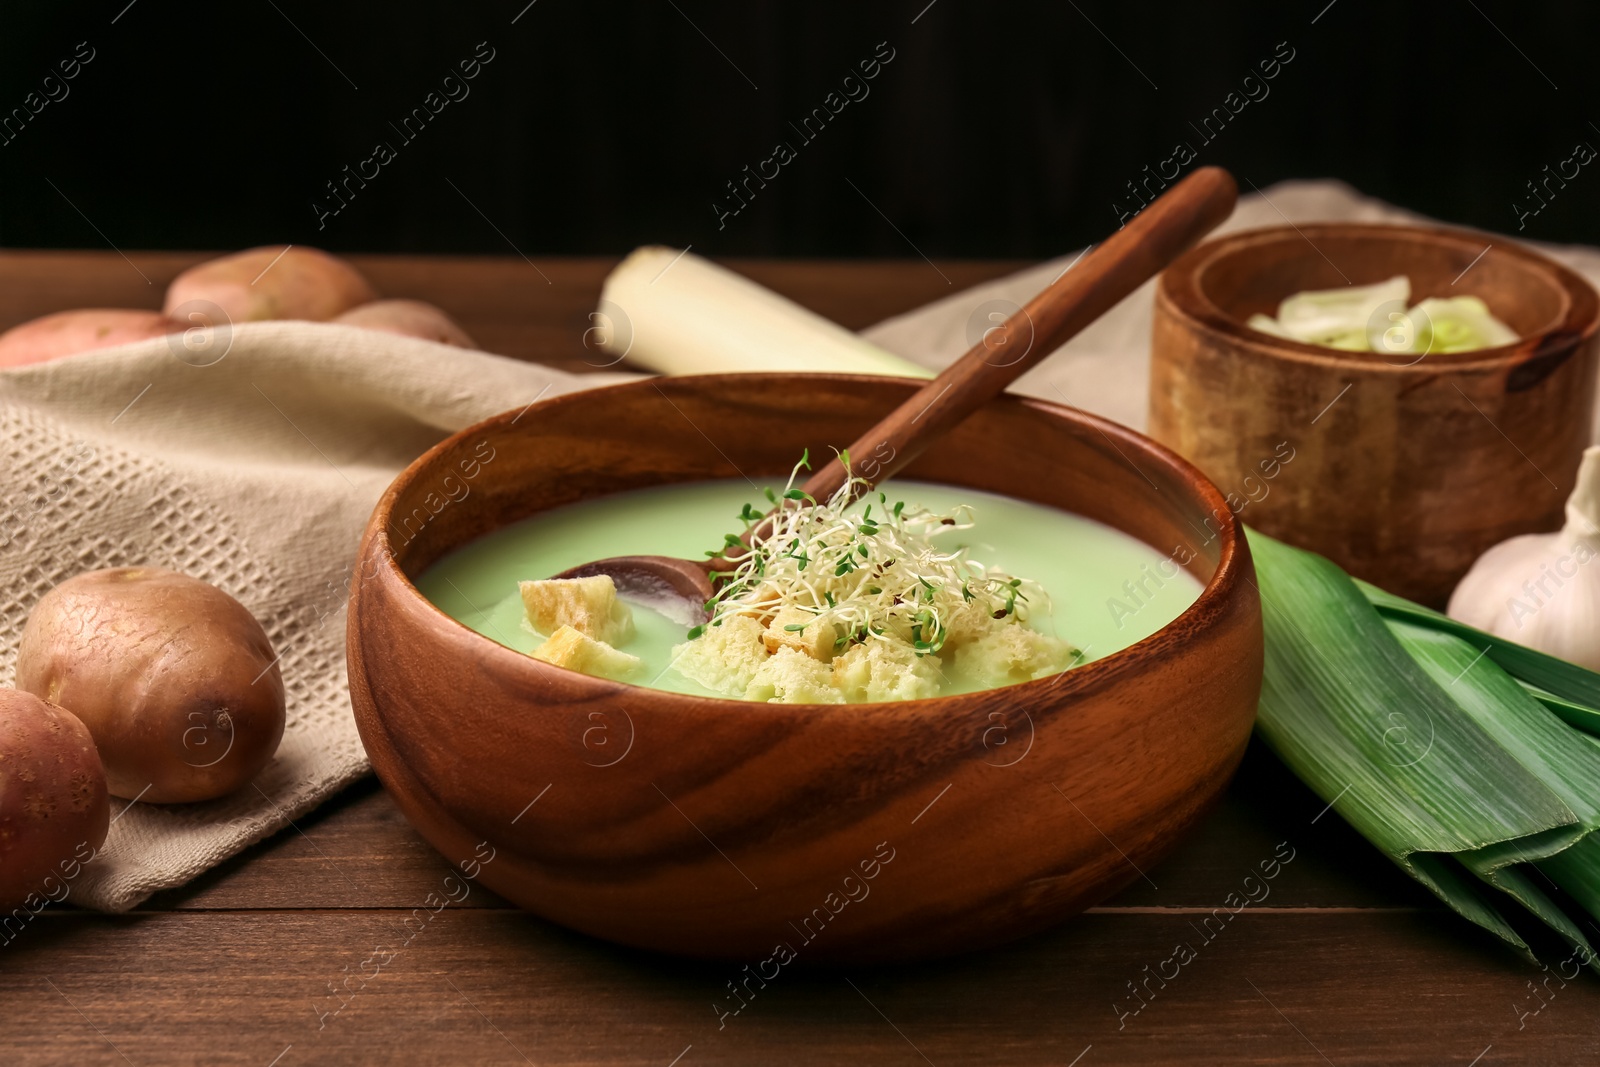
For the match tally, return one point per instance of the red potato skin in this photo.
(175, 679)
(54, 811)
(408, 318)
(270, 283)
(67, 332)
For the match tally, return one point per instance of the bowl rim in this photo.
(1212, 603)
(1181, 290)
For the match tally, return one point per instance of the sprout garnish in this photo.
(874, 575)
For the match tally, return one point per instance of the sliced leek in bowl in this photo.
(1380, 318)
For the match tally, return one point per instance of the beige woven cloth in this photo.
(257, 473)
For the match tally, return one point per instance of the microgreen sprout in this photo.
(872, 578)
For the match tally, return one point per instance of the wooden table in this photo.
(269, 959)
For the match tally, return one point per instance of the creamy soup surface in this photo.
(1107, 590)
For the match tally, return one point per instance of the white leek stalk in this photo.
(1459, 324)
(677, 313)
(1543, 590)
(1338, 318)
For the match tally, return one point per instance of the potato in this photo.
(54, 812)
(66, 332)
(408, 318)
(175, 680)
(303, 283)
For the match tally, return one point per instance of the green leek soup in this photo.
(1107, 589)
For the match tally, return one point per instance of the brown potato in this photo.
(66, 332)
(270, 283)
(174, 678)
(53, 806)
(408, 318)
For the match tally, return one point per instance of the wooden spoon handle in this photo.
(1156, 236)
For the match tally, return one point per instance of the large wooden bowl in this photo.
(1401, 470)
(723, 828)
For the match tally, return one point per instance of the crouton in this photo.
(803, 631)
(789, 676)
(588, 605)
(1012, 653)
(969, 622)
(725, 657)
(876, 671)
(571, 648)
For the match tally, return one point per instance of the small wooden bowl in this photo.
(722, 828)
(1401, 472)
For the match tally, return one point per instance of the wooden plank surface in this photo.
(490, 986)
(274, 957)
(535, 310)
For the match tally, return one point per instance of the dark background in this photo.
(998, 130)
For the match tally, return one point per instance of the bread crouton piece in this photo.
(969, 622)
(725, 657)
(789, 676)
(803, 631)
(588, 605)
(571, 648)
(877, 671)
(1013, 653)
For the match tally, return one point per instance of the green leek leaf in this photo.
(1352, 713)
(1424, 745)
(1556, 676)
(1573, 713)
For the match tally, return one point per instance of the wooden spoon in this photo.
(1173, 223)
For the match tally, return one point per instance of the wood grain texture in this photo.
(508, 305)
(730, 826)
(358, 851)
(495, 987)
(1394, 456)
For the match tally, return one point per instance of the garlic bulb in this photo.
(1543, 590)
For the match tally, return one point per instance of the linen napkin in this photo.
(256, 473)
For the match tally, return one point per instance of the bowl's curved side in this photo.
(721, 828)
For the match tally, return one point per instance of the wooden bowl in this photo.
(1401, 472)
(723, 828)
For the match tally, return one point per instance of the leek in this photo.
(1577, 686)
(1374, 318)
(1460, 324)
(1579, 715)
(1339, 318)
(1577, 871)
(677, 313)
(1410, 726)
